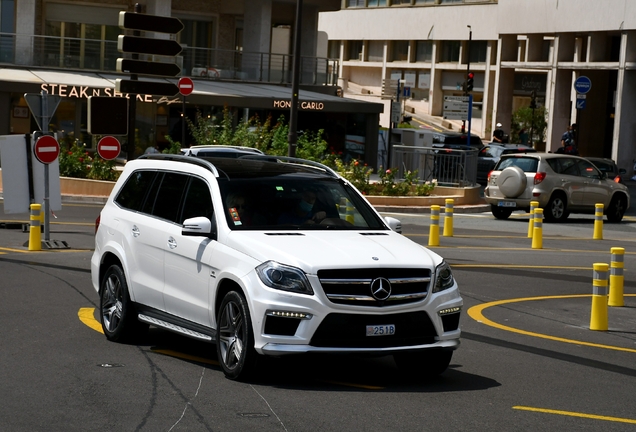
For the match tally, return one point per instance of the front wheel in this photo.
(119, 320)
(235, 338)
(616, 209)
(422, 364)
(500, 212)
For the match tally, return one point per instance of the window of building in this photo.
(478, 51)
(418, 2)
(80, 45)
(7, 25)
(400, 2)
(354, 50)
(450, 1)
(450, 51)
(376, 51)
(355, 3)
(400, 51)
(424, 51)
(196, 39)
(376, 3)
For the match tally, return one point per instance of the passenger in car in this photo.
(303, 212)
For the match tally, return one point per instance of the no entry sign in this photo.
(108, 148)
(46, 149)
(186, 86)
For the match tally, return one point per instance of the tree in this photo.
(523, 119)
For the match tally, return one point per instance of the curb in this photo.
(479, 208)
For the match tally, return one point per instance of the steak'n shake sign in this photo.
(83, 92)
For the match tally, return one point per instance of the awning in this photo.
(206, 91)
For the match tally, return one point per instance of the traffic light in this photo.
(470, 81)
(533, 99)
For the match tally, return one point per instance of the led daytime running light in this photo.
(287, 314)
(449, 311)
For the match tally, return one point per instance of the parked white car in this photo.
(561, 184)
(266, 256)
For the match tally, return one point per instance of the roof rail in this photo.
(181, 158)
(298, 161)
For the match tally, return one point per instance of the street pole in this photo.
(470, 38)
(132, 104)
(292, 138)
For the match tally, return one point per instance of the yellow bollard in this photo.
(598, 222)
(35, 235)
(349, 215)
(433, 236)
(533, 205)
(598, 318)
(616, 279)
(537, 230)
(448, 217)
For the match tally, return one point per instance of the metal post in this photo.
(292, 138)
(183, 123)
(132, 103)
(44, 110)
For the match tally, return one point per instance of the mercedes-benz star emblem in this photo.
(381, 289)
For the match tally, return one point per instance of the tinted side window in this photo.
(169, 196)
(133, 194)
(587, 169)
(568, 167)
(198, 201)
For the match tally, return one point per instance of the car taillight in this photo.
(539, 177)
(489, 174)
(97, 222)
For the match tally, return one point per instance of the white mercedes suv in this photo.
(267, 256)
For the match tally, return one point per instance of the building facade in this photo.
(513, 47)
(239, 54)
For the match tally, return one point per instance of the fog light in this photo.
(449, 311)
(287, 314)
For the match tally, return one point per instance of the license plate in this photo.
(507, 204)
(381, 330)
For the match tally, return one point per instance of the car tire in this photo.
(423, 364)
(235, 338)
(557, 208)
(118, 315)
(500, 212)
(616, 209)
(512, 182)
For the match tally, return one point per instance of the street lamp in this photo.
(292, 137)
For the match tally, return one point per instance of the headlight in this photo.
(285, 278)
(443, 277)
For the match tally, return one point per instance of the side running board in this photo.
(174, 328)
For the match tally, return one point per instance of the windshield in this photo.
(295, 202)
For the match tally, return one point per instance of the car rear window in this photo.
(525, 163)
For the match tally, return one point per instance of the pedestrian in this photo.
(498, 134)
(152, 149)
(568, 141)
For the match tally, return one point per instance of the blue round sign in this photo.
(582, 85)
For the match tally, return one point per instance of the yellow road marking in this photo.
(476, 313)
(575, 414)
(14, 250)
(87, 316)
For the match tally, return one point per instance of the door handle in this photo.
(135, 231)
(172, 243)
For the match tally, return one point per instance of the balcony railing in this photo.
(101, 55)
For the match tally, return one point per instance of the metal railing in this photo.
(449, 167)
(101, 55)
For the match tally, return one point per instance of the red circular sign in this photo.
(46, 149)
(108, 147)
(186, 86)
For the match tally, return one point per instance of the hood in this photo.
(315, 250)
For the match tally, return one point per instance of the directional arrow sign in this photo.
(151, 23)
(147, 68)
(146, 87)
(134, 44)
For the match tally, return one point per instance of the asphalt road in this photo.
(528, 360)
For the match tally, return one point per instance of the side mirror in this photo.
(198, 226)
(394, 224)
(622, 171)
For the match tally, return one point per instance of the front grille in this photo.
(349, 331)
(353, 286)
